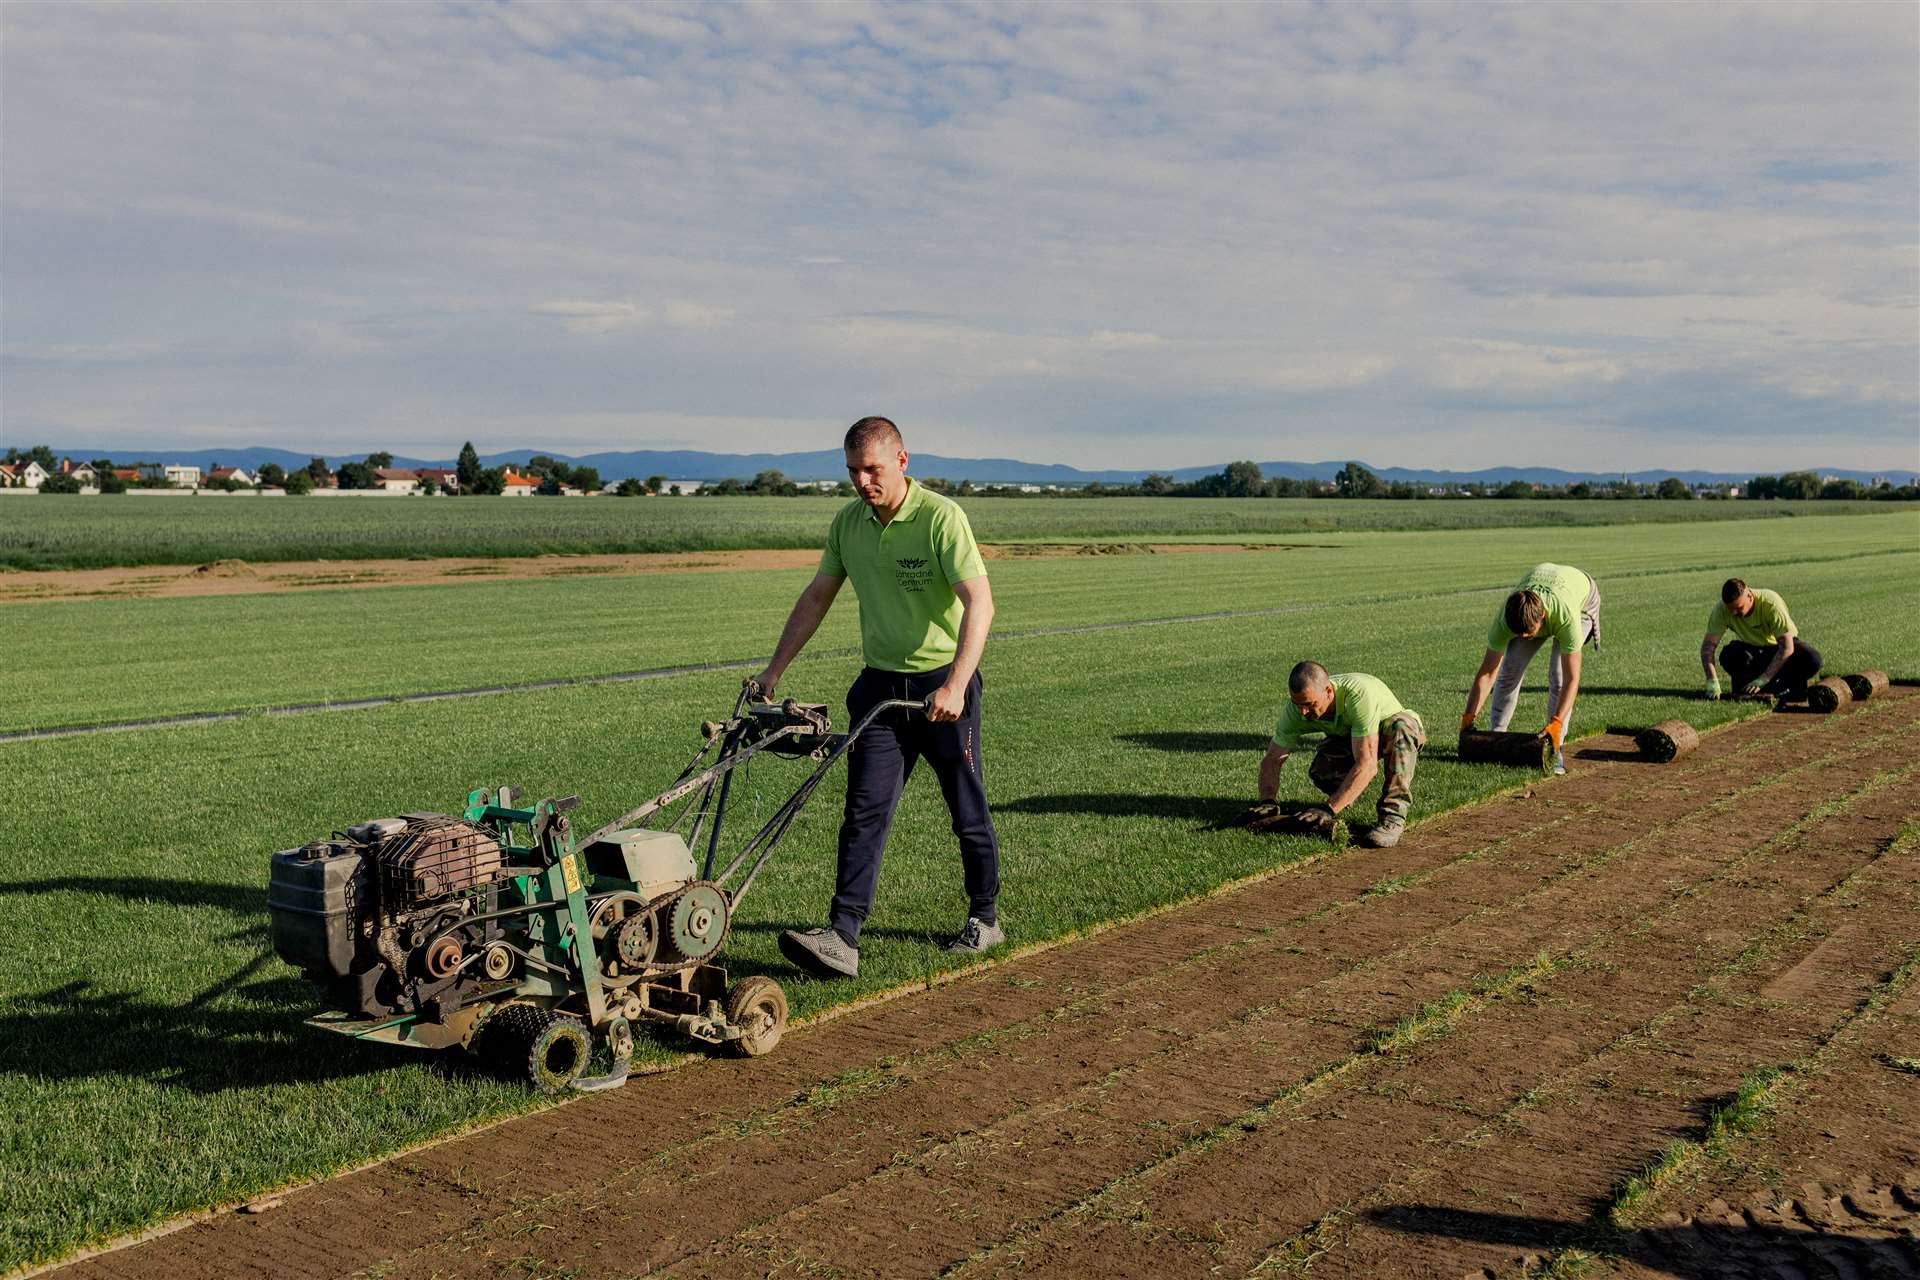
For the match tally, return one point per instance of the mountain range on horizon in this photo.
(827, 464)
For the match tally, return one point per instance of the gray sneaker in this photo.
(821, 952)
(1383, 835)
(977, 938)
(1559, 761)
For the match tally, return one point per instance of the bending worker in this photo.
(1553, 601)
(1367, 732)
(925, 609)
(1765, 655)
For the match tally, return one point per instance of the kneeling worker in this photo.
(1367, 732)
(1765, 655)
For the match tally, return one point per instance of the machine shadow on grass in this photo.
(245, 901)
(240, 1031)
(75, 1031)
(1700, 1251)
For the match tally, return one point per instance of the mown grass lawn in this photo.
(152, 1058)
(86, 661)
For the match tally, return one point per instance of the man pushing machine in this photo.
(1367, 732)
(1765, 655)
(925, 609)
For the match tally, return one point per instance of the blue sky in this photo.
(1450, 236)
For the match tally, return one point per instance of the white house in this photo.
(395, 480)
(25, 474)
(183, 476)
(518, 486)
(220, 475)
(446, 477)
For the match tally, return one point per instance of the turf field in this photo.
(151, 1055)
(167, 657)
(62, 532)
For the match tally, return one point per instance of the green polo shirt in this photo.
(1361, 704)
(1765, 623)
(903, 572)
(1563, 589)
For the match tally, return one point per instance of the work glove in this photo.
(1265, 811)
(1754, 687)
(1713, 689)
(1466, 724)
(1556, 729)
(1318, 818)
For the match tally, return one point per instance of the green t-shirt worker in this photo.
(1766, 654)
(1367, 731)
(925, 609)
(1554, 602)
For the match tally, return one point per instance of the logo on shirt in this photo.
(911, 574)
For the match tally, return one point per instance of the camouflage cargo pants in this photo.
(1400, 741)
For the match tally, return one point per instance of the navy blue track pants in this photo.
(878, 767)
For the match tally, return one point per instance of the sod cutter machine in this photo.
(502, 931)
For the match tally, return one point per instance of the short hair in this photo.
(1525, 613)
(1305, 676)
(871, 431)
(1732, 589)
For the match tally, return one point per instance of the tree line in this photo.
(1236, 480)
(1245, 480)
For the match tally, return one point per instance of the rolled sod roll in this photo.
(1830, 694)
(1866, 684)
(1666, 741)
(1521, 750)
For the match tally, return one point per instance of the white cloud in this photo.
(1044, 228)
(592, 317)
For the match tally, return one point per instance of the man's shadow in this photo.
(1697, 1251)
(1210, 812)
(1196, 741)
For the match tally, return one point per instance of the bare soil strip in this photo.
(1441, 1059)
(241, 577)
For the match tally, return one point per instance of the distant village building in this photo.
(26, 474)
(518, 486)
(220, 475)
(395, 480)
(185, 477)
(445, 477)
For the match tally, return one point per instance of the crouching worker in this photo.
(1765, 655)
(1552, 602)
(1367, 731)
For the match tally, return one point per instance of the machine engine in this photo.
(388, 915)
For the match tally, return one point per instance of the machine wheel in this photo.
(759, 1008)
(548, 1050)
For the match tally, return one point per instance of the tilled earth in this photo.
(1452, 1058)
